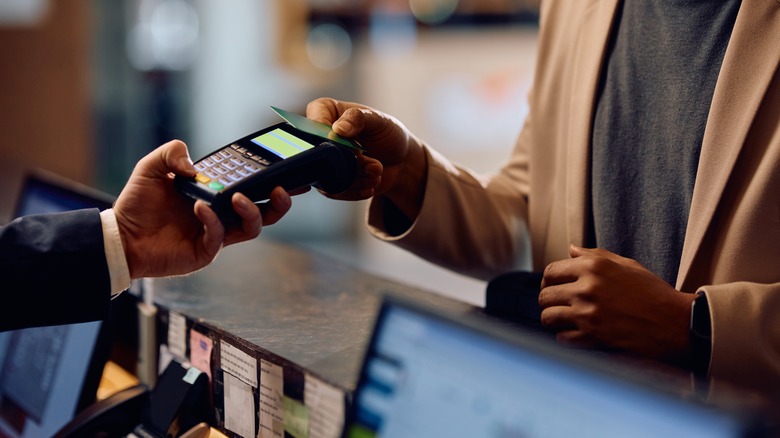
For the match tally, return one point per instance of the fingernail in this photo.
(243, 203)
(186, 163)
(344, 127)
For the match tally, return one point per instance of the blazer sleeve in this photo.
(745, 333)
(55, 270)
(473, 224)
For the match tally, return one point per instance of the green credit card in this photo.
(315, 128)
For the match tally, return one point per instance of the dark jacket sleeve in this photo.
(54, 270)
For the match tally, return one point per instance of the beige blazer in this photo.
(480, 224)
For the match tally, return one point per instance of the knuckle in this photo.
(549, 270)
(588, 318)
(591, 263)
(588, 286)
(547, 317)
(598, 264)
(548, 297)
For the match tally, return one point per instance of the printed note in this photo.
(271, 405)
(326, 408)
(177, 335)
(238, 363)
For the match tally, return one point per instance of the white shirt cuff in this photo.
(115, 253)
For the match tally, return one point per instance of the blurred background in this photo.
(88, 87)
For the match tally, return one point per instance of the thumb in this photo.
(171, 157)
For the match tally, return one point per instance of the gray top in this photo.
(663, 63)
(298, 309)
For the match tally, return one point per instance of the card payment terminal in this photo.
(279, 155)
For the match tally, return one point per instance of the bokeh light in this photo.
(433, 11)
(328, 46)
(166, 35)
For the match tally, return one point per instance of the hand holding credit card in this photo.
(315, 128)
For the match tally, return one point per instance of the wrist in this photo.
(125, 234)
(409, 190)
(113, 245)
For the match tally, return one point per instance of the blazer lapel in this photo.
(591, 55)
(750, 62)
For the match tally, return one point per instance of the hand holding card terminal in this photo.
(279, 155)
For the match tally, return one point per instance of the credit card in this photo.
(315, 128)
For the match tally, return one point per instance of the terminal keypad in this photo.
(228, 166)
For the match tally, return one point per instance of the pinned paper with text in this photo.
(238, 363)
(177, 335)
(326, 408)
(271, 410)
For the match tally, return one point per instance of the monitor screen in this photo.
(426, 374)
(47, 374)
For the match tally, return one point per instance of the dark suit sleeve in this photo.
(54, 270)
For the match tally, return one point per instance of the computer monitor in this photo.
(47, 374)
(429, 374)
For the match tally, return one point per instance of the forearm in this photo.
(745, 333)
(488, 216)
(58, 268)
(409, 191)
